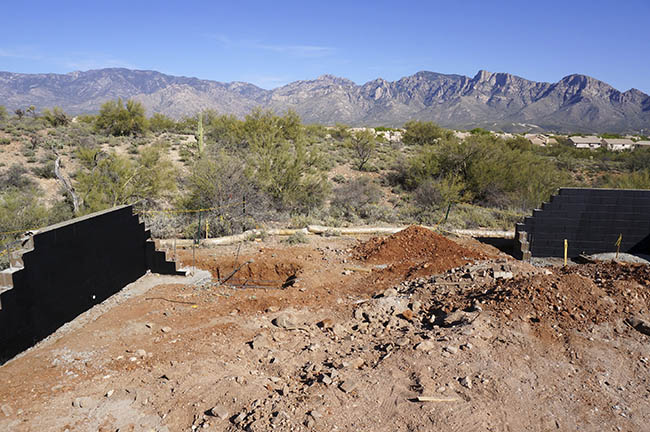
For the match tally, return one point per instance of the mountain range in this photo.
(497, 101)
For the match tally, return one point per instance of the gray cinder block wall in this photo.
(590, 219)
(68, 268)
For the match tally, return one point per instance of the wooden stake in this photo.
(435, 399)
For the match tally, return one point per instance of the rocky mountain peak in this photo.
(335, 80)
(489, 99)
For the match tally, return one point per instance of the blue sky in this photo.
(271, 43)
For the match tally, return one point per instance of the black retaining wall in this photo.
(591, 220)
(70, 267)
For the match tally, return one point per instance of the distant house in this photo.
(393, 136)
(540, 139)
(588, 142)
(618, 144)
(642, 144)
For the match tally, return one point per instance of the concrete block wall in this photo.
(68, 268)
(590, 219)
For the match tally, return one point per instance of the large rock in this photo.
(285, 321)
(640, 325)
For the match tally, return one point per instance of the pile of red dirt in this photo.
(576, 297)
(414, 252)
(412, 243)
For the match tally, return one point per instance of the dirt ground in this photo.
(413, 332)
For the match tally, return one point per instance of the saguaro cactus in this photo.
(200, 134)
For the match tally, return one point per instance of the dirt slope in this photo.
(351, 346)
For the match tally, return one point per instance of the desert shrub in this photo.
(340, 132)
(363, 144)
(46, 170)
(470, 216)
(298, 237)
(301, 221)
(16, 177)
(355, 199)
(634, 180)
(519, 143)
(424, 133)
(56, 117)
(191, 230)
(5, 141)
(166, 225)
(224, 131)
(639, 159)
(86, 141)
(437, 193)
(223, 185)
(20, 211)
(116, 118)
(108, 180)
(463, 216)
(280, 163)
(316, 132)
(491, 172)
(480, 131)
(161, 123)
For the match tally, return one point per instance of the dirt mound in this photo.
(570, 297)
(415, 251)
(575, 297)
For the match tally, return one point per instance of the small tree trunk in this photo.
(65, 182)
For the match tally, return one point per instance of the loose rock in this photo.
(427, 345)
(285, 321)
(348, 385)
(219, 411)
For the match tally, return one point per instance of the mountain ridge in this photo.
(495, 100)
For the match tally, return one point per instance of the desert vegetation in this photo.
(272, 168)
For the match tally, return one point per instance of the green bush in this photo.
(363, 144)
(20, 211)
(634, 180)
(161, 123)
(424, 133)
(108, 180)
(490, 171)
(56, 117)
(298, 237)
(45, 171)
(281, 164)
(116, 118)
(16, 177)
(437, 193)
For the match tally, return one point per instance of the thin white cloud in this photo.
(70, 60)
(222, 40)
(311, 51)
(25, 53)
(292, 50)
